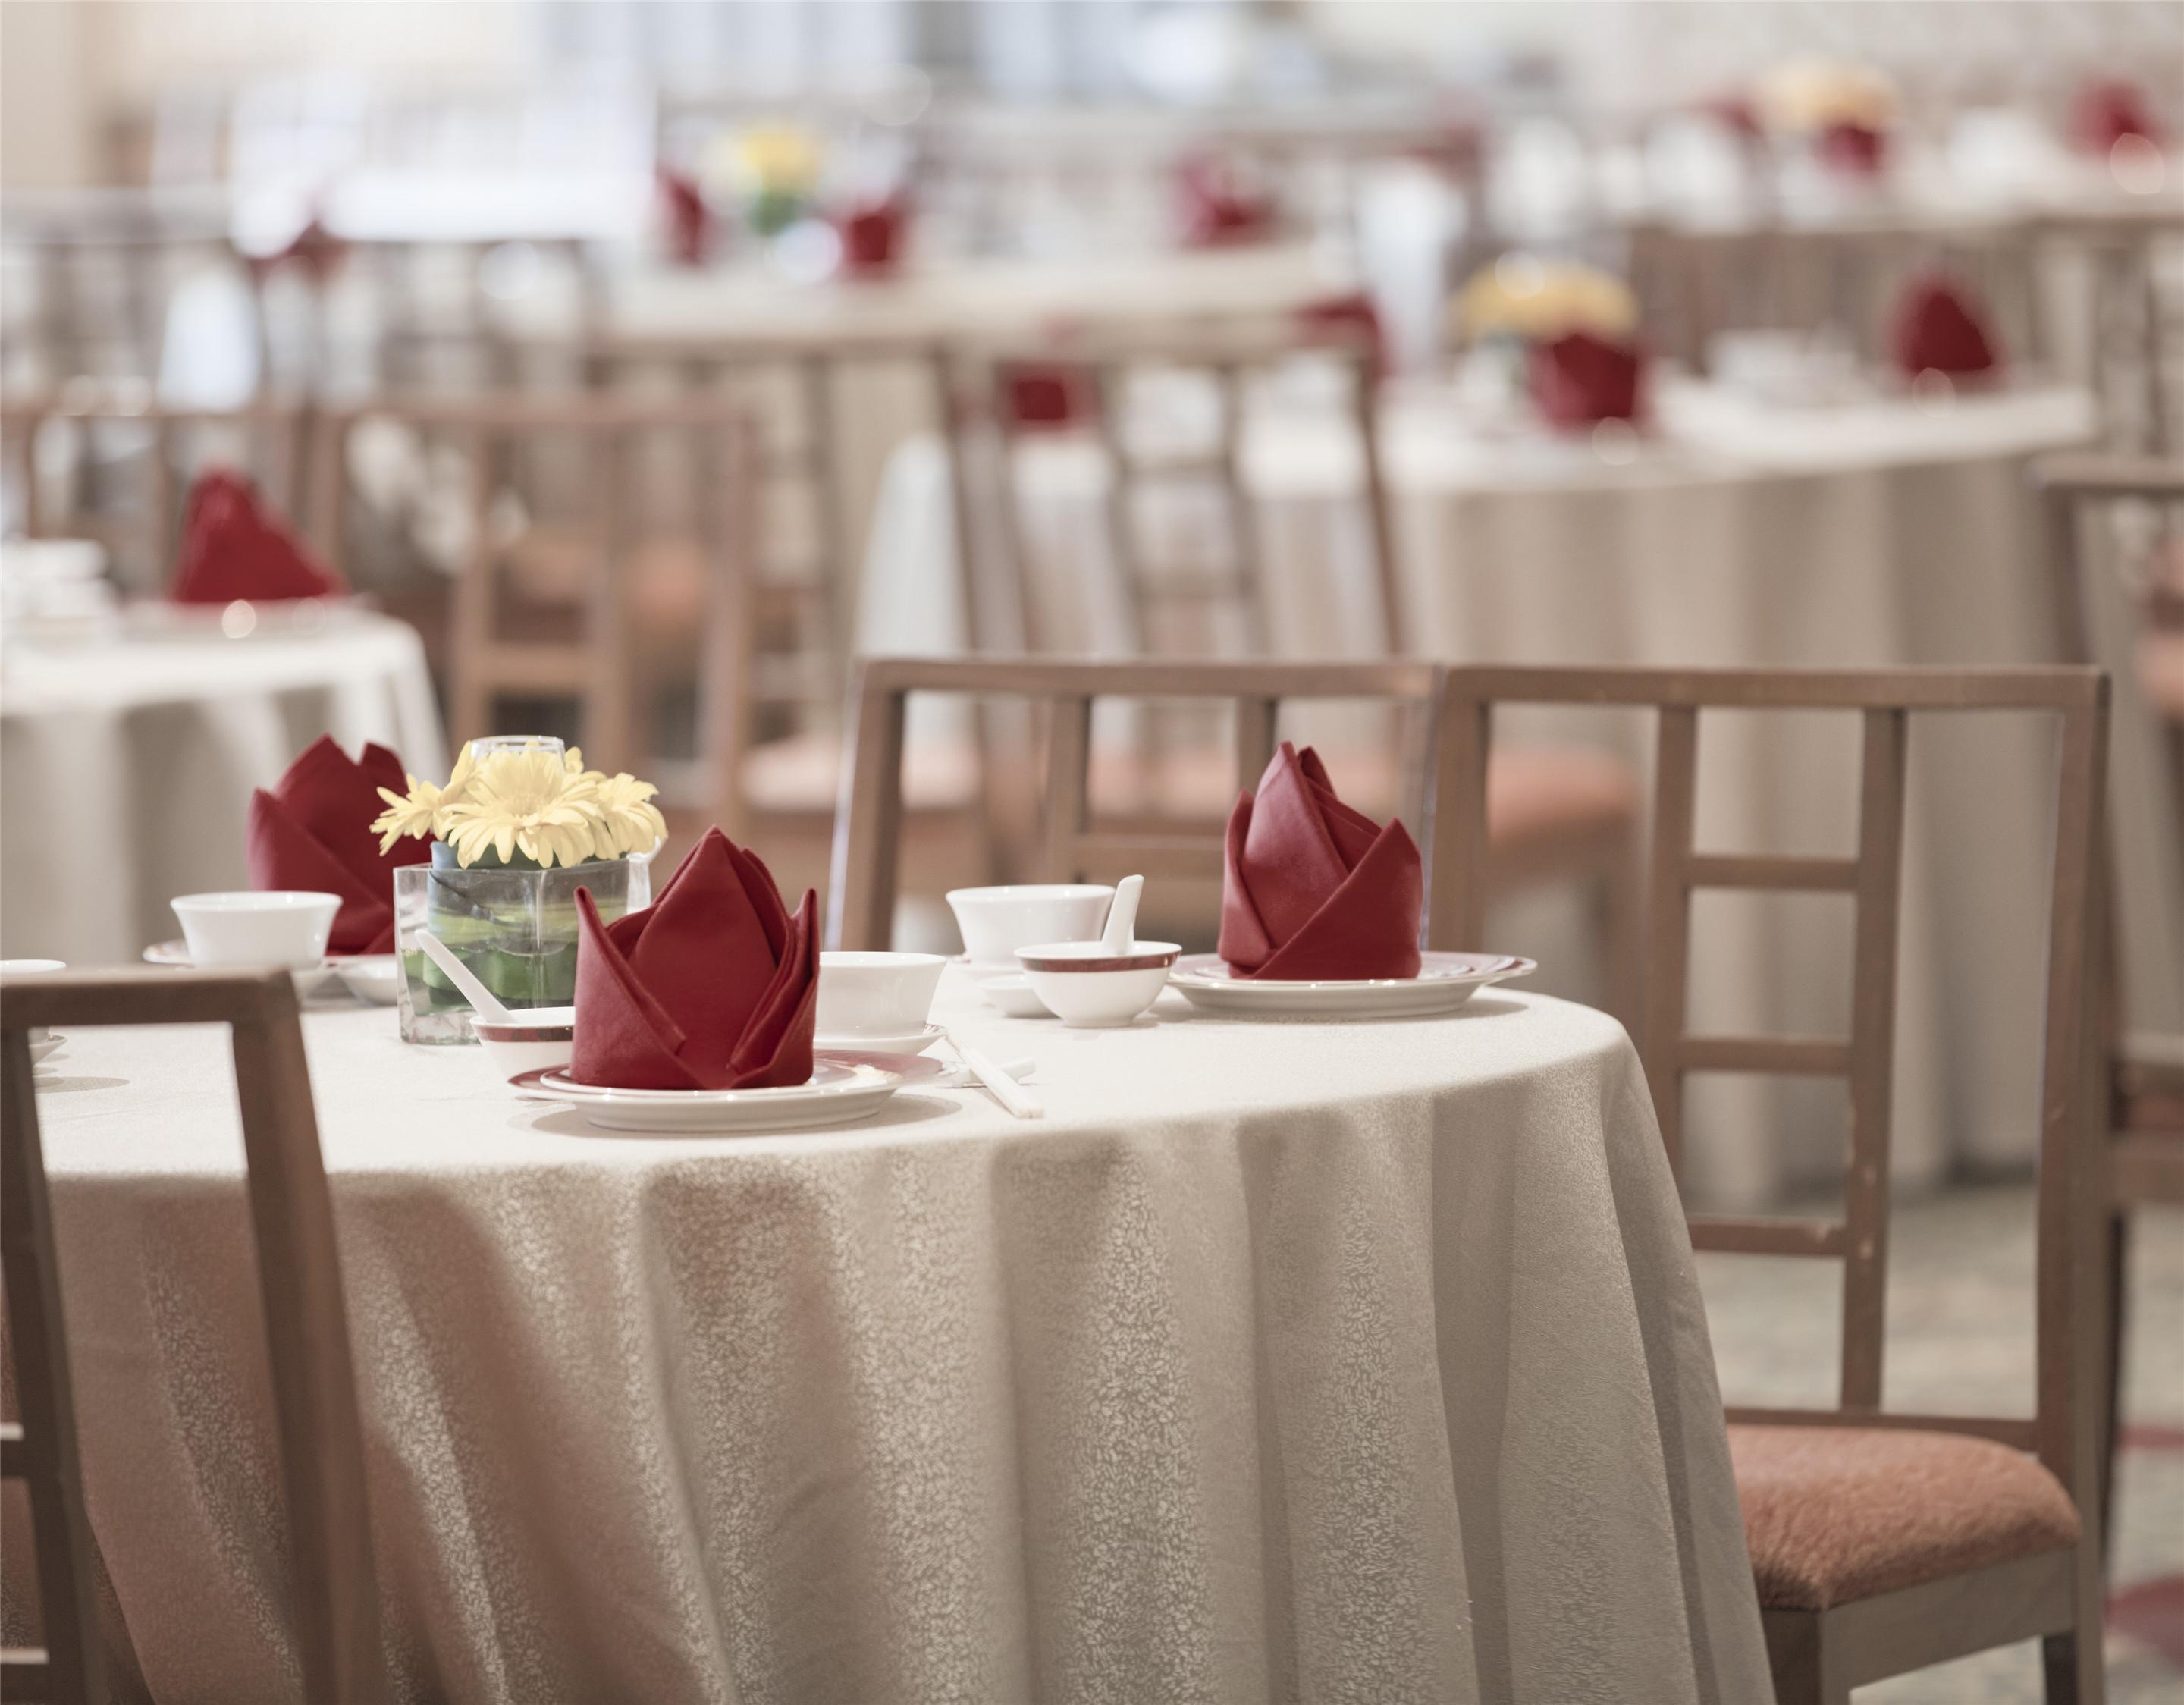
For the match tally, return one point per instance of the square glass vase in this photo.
(514, 929)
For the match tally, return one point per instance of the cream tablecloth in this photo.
(126, 764)
(1279, 1361)
(1860, 535)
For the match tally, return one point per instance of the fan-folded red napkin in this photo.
(1941, 327)
(713, 986)
(871, 235)
(689, 220)
(313, 832)
(1314, 888)
(1215, 212)
(2110, 108)
(1855, 150)
(1579, 380)
(233, 548)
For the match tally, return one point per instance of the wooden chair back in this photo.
(803, 573)
(2070, 1188)
(321, 1435)
(1231, 356)
(2131, 336)
(268, 440)
(1073, 847)
(571, 632)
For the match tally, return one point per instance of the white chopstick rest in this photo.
(1012, 1095)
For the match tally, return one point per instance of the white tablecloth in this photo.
(126, 764)
(1862, 535)
(1283, 1361)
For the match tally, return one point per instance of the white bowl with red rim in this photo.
(1091, 986)
(534, 1037)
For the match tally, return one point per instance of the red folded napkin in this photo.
(313, 832)
(689, 220)
(1313, 888)
(1050, 394)
(1857, 150)
(713, 986)
(1941, 325)
(871, 237)
(233, 547)
(1579, 380)
(2110, 108)
(1352, 309)
(1215, 212)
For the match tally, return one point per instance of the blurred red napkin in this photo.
(1857, 150)
(1352, 309)
(2110, 108)
(1940, 326)
(1215, 213)
(1579, 380)
(1048, 394)
(232, 548)
(313, 832)
(1313, 888)
(871, 237)
(713, 986)
(689, 220)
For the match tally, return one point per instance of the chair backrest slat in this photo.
(1075, 847)
(43, 1454)
(318, 1426)
(2070, 1285)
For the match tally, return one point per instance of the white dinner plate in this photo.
(909, 1042)
(46, 1046)
(369, 976)
(1444, 981)
(843, 1085)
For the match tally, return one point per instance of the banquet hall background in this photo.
(627, 370)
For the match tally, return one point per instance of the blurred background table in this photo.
(127, 761)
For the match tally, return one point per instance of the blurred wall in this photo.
(78, 78)
(45, 135)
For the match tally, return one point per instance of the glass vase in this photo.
(514, 929)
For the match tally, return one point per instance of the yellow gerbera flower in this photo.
(418, 814)
(628, 820)
(524, 802)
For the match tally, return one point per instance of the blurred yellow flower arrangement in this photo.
(1523, 296)
(529, 805)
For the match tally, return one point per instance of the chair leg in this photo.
(2112, 1432)
(1619, 926)
(2075, 1663)
(1809, 1666)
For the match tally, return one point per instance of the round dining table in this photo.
(1281, 1359)
(128, 757)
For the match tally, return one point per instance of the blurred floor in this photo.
(1960, 1338)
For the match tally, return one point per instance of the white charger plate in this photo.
(369, 976)
(909, 1042)
(844, 1086)
(1445, 982)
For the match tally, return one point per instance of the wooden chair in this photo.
(1158, 598)
(2146, 1086)
(2134, 335)
(321, 1439)
(1074, 846)
(1882, 1542)
(561, 547)
(268, 440)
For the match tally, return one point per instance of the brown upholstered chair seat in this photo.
(1833, 1514)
